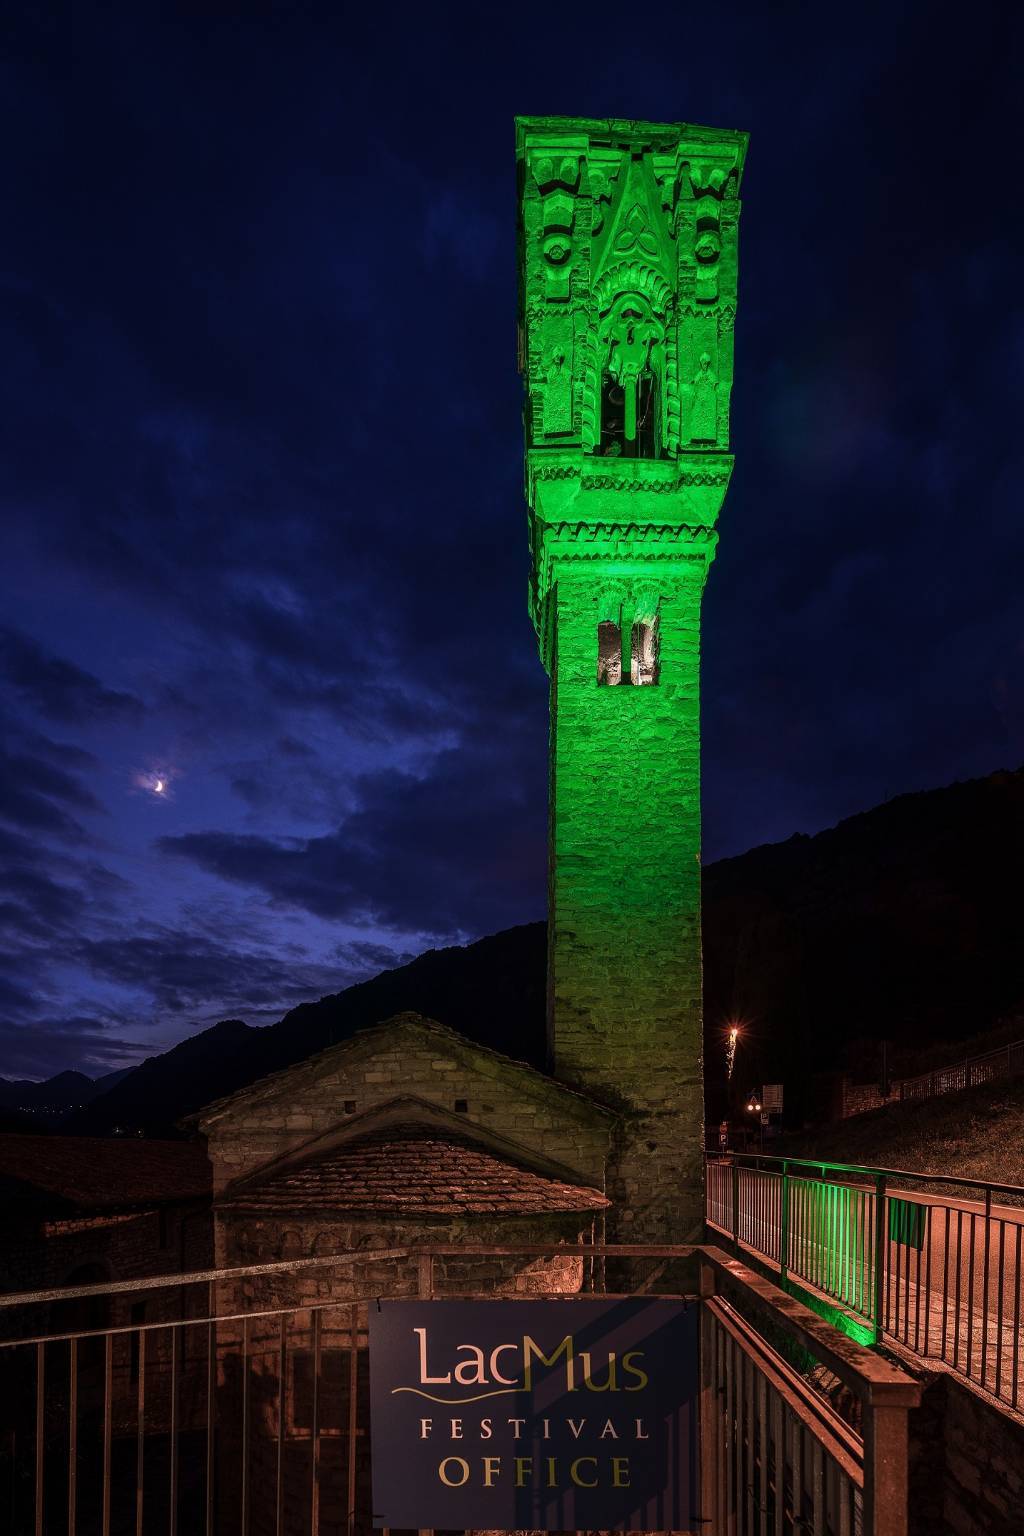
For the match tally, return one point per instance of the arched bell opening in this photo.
(629, 416)
(632, 340)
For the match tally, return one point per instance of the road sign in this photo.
(771, 1098)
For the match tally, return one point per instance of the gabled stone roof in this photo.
(366, 1042)
(409, 1170)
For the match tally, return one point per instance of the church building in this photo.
(408, 1132)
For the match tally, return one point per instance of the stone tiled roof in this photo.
(101, 1173)
(409, 1170)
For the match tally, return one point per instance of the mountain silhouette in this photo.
(902, 924)
(57, 1096)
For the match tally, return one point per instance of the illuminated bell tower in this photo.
(627, 298)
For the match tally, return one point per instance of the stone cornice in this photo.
(620, 545)
(579, 531)
(609, 481)
(679, 138)
(660, 477)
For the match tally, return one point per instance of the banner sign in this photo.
(534, 1415)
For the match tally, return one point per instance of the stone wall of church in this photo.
(486, 1090)
(624, 902)
(249, 1240)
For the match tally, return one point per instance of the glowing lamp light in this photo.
(730, 1050)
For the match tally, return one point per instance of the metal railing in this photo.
(255, 1420)
(775, 1455)
(942, 1276)
(1004, 1061)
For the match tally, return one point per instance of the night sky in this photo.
(273, 713)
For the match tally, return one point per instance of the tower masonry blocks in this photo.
(627, 302)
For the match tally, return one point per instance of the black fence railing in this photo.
(254, 1421)
(896, 1254)
(1005, 1061)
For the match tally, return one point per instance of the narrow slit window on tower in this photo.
(609, 652)
(643, 662)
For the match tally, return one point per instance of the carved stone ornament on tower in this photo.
(627, 301)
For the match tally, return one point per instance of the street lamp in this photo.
(730, 1050)
(754, 1108)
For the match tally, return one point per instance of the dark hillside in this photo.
(491, 991)
(903, 923)
(978, 1134)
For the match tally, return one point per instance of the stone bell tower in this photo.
(627, 299)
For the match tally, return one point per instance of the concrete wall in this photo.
(966, 1463)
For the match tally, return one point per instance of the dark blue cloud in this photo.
(55, 1043)
(262, 509)
(57, 688)
(452, 853)
(30, 794)
(182, 971)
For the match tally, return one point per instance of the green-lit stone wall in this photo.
(627, 304)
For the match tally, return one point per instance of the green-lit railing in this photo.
(888, 1253)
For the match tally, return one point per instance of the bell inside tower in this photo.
(628, 427)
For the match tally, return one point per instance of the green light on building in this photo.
(627, 304)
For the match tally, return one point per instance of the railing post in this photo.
(986, 1266)
(736, 1205)
(710, 1411)
(880, 1256)
(353, 1418)
(885, 1469)
(784, 1226)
